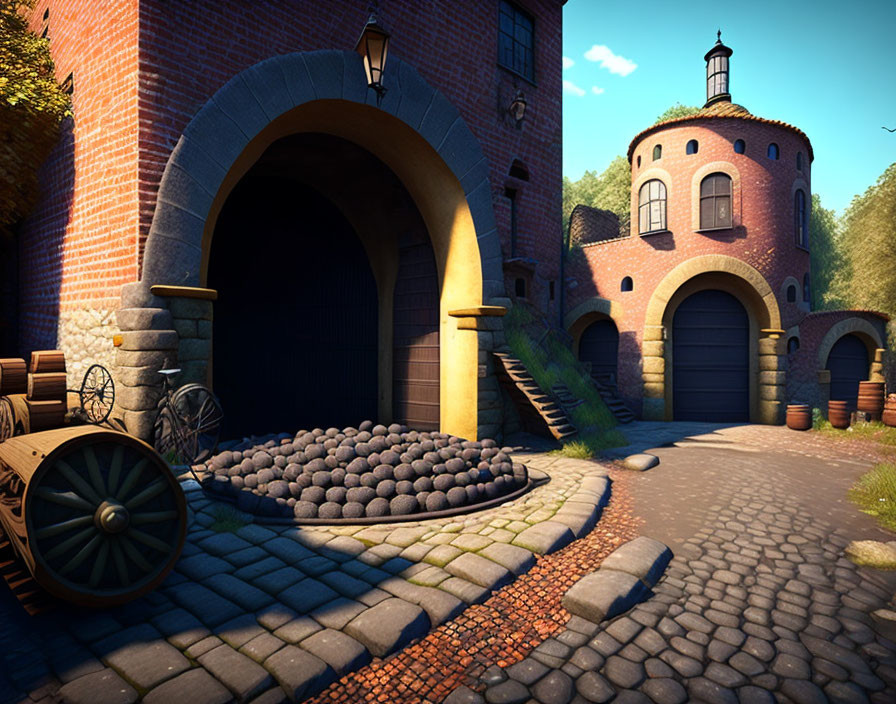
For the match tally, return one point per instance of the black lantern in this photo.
(717, 72)
(373, 47)
(517, 107)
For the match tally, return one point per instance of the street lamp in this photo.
(517, 107)
(373, 47)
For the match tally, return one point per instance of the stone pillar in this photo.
(486, 321)
(193, 321)
(653, 371)
(772, 385)
(877, 366)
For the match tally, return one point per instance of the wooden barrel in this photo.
(871, 398)
(47, 361)
(47, 386)
(12, 376)
(45, 415)
(96, 515)
(838, 414)
(799, 416)
(21, 416)
(889, 414)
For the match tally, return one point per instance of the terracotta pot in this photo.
(871, 398)
(838, 414)
(799, 417)
(889, 414)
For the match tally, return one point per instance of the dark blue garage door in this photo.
(848, 364)
(599, 345)
(711, 359)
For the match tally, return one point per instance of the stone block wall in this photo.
(86, 338)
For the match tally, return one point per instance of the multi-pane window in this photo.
(717, 76)
(652, 207)
(516, 41)
(800, 219)
(715, 202)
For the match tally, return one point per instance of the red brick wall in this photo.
(189, 50)
(763, 233)
(79, 244)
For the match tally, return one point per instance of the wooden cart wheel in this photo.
(106, 520)
(198, 417)
(7, 419)
(97, 393)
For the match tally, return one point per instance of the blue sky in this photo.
(827, 68)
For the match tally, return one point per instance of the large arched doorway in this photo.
(599, 345)
(328, 294)
(711, 358)
(849, 364)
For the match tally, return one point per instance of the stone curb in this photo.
(623, 580)
(640, 462)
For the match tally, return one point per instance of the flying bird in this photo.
(888, 129)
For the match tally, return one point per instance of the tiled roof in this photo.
(720, 110)
(877, 313)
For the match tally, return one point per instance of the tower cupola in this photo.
(717, 72)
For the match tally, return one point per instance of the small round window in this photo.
(740, 146)
(692, 147)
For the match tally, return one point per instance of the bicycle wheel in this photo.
(198, 417)
(164, 433)
(97, 393)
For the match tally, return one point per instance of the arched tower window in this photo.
(799, 161)
(627, 284)
(691, 147)
(800, 219)
(793, 344)
(740, 146)
(773, 151)
(791, 294)
(657, 151)
(806, 290)
(715, 201)
(652, 207)
(519, 288)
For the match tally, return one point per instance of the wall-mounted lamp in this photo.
(373, 47)
(517, 107)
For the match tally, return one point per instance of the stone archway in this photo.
(415, 131)
(767, 363)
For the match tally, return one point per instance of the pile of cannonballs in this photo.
(370, 471)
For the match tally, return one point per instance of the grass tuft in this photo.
(875, 494)
(228, 519)
(875, 431)
(871, 553)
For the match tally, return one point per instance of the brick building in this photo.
(702, 311)
(231, 196)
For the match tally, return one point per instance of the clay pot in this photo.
(799, 417)
(838, 414)
(871, 398)
(889, 414)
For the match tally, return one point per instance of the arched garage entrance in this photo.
(848, 363)
(711, 358)
(415, 131)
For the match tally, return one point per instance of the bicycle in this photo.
(188, 423)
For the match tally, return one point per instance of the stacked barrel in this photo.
(32, 398)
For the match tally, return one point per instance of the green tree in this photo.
(32, 106)
(826, 258)
(867, 277)
(676, 111)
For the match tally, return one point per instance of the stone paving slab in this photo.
(239, 673)
(195, 686)
(388, 626)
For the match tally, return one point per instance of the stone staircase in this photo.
(539, 413)
(613, 402)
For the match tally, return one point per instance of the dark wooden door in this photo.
(415, 367)
(848, 364)
(295, 324)
(711, 359)
(599, 345)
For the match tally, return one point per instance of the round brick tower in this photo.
(716, 265)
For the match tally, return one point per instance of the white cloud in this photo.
(596, 90)
(619, 65)
(568, 63)
(571, 88)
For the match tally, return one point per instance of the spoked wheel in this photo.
(7, 419)
(197, 423)
(106, 520)
(97, 393)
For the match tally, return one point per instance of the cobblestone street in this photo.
(758, 604)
